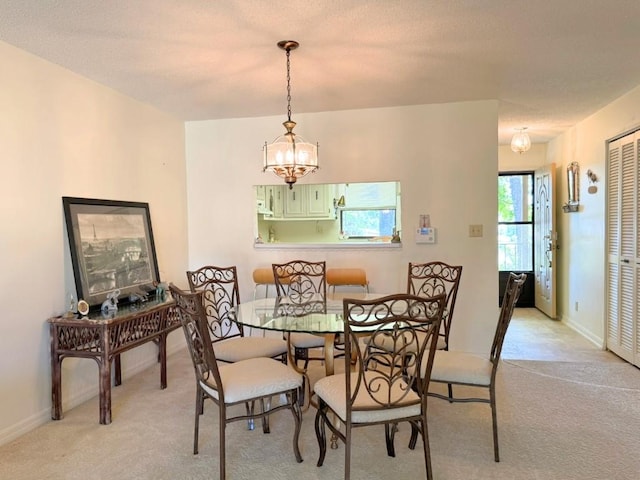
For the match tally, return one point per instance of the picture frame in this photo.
(112, 248)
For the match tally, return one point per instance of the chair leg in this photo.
(265, 419)
(425, 446)
(297, 416)
(389, 433)
(223, 424)
(494, 418)
(321, 433)
(196, 425)
(302, 354)
(347, 453)
(450, 389)
(414, 436)
(301, 396)
(250, 409)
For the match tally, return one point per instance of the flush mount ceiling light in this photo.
(521, 142)
(289, 156)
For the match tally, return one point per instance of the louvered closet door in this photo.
(623, 241)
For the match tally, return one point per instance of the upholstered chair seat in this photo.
(254, 377)
(243, 348)
(332, 389)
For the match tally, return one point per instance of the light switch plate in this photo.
(475, 230)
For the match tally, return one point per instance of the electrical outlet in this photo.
(475, 230)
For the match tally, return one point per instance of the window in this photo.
(367, 223)
(370, 210)
(515, 222)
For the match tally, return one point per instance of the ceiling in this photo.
(550, 63)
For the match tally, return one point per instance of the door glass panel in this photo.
(515, 246)
(515, 222)
(515, 198)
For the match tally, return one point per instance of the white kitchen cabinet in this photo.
(295, 202)
(275, 200)
(302, 202)
(319, 201)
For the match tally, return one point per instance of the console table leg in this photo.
(162, 353)
(56, 387)
(118, 372)
(105, 392)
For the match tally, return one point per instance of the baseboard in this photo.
(596, 340)
(44, 416)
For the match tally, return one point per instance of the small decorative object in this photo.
(259, 239)
(83, 307)
(72, 307)
(161, 290)
(110, 305)
(138, 297)
(593, 179)
(395, 238)
(272, 235)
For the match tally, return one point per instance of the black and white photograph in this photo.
(111, 247)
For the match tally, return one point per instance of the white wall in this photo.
(63, 135)
(445, 157)
(582, 234)
(510, 161)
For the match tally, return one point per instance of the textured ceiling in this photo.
(550, 63)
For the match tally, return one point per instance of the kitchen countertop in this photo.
(336, 245)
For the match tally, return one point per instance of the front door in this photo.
(545, 241)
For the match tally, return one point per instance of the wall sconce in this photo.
(338, 203)
(573, 187)
(593, 179)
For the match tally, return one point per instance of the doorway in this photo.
(515, 232)
(527, 238)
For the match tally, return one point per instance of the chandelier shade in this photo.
(521, 142)
(289, 156)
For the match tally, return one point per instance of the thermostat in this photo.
(426, 235)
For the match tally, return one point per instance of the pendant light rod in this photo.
(287, 46)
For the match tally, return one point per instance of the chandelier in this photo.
(289, 156)
(521, 142)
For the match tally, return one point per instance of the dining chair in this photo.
(304, 286)
(264, 277)
(347, 277)
(433, 278)
(380, 389)
(460, 368)
(220, 295)
(228, 385)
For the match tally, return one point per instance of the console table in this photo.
(103, 337)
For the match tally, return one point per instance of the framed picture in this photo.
(112, 248)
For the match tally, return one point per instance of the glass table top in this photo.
(312, 316)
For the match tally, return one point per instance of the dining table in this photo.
(317, 315)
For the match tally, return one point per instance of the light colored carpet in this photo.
(557, 420)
